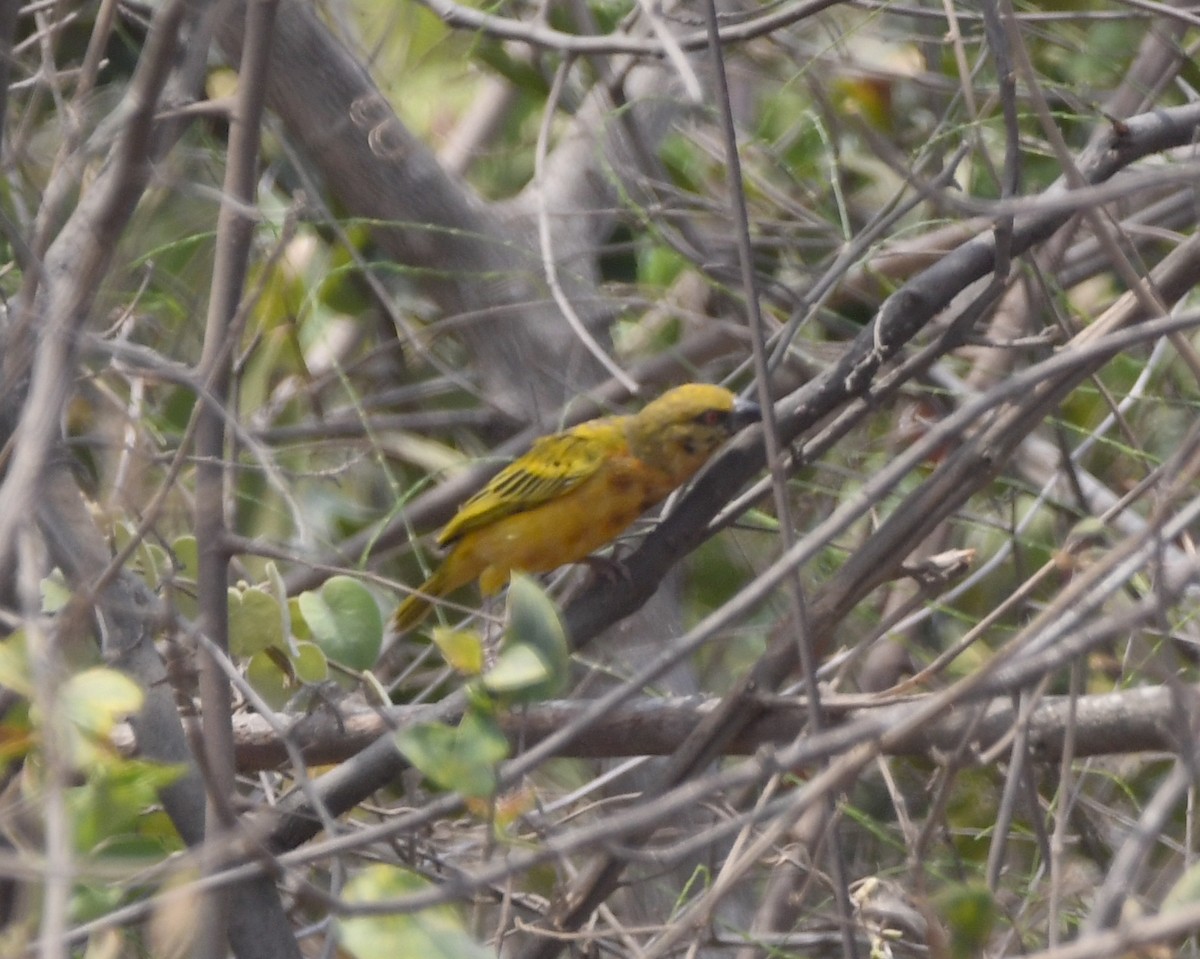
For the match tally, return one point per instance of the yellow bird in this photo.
(575, 491)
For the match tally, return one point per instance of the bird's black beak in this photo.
(743, 414)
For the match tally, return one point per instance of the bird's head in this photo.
(679, 431)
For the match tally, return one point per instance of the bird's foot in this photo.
(610, 569)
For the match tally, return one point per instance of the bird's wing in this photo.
(553, 466)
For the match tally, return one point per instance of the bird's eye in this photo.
(709, 418)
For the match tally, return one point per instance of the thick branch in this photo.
(1129, 721)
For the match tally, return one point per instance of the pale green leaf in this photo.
(345, 621)
(434, 933)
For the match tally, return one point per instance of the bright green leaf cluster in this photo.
(461, 758)
(290, 642)
(532, 665)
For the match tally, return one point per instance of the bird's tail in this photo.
(417, 605)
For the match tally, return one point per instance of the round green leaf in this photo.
(345, 621)
(310, 663)
(269, 681)
(187, 556)
(255, 621)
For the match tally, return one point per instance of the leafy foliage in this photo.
(240, 378)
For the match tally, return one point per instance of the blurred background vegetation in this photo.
(443, 198)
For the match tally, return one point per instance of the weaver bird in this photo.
(577, 490)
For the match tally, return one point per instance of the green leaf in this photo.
(533, 619)
(310, 663)
(98, 698)
(93, 701)
(659, 265)
(187, 557)
(55, 592)
(277, 675)
(187, 562)
(150, 558)
(299, 626)
(108, 809)
(14, 665)
(345, 621)
(278, 590)
(759, 520)
(1185, 891)
(433, 933)
(970, 914)
(519, 668)
(461, 758)
(273, 684)
(255, 621)
(534, 658)
(17, 736)
(91, 900)
(462, 649)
